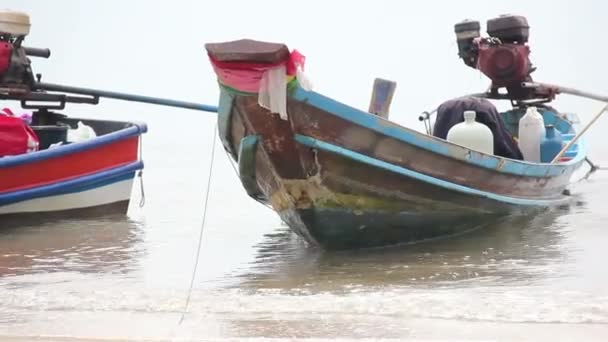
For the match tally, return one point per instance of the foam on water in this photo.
(489, 303)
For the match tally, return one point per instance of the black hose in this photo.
(37, 52)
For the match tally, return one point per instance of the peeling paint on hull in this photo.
(371, 189)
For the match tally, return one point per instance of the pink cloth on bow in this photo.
(245, 76)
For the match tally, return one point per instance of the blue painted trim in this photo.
(133, 131)
(247, 150)
(74, 185)
(321, 145)
(431, 143)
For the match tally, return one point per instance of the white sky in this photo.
(156, 48)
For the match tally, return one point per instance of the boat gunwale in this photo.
(434, 144)
(135, 129)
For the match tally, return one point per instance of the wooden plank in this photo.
(382, 96)
(248, 50)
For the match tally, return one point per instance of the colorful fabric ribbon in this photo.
(246, 76)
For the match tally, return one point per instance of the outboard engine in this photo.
(503, 56)
(15, 68)
(505, 59)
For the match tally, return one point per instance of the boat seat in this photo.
(247, 50)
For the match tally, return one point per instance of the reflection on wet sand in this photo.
(516, 249)
(105, 244)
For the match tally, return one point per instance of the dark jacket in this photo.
(451, 112)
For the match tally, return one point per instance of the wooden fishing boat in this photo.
(64, 176)
(95, 174)
(342, 177)
(59, 175)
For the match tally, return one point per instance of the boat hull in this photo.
(353, 202)
(343, 184)
(84, 176)
(344, 178)
(112, 192)
(338, 229)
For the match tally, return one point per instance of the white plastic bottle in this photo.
(531, 134)
(81, 133)
(472, 134)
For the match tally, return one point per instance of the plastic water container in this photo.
(472, 134)
(531, 134)
(551, 144)
(81, 133)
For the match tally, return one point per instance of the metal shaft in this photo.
(567, 90)
(126, 97)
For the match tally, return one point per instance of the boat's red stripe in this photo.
(68, 166)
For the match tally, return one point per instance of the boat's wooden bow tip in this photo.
(248, 50)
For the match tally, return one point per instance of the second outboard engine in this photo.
(15, 68)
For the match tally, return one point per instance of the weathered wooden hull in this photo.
(345, 178)
(339, 229)
(342, 183)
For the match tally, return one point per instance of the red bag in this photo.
(16, 137)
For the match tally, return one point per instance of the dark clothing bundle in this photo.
(451, 112)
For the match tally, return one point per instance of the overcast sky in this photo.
(156, 48)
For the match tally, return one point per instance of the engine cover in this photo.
(6, 50)
(15, 68)
(504, 64)
(16, 24)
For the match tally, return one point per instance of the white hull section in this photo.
(107, 194)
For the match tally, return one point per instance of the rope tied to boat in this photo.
(140, 174)
(200, 237)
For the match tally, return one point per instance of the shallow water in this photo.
(535, 278)
(116, 278)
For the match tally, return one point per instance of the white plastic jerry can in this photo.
(531, 134)
(472, 134)
(81, 133)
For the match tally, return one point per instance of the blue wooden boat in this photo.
(342, 177)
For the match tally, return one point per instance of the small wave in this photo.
(494, 304)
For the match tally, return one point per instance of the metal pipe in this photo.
(126, 97)
(566, 90)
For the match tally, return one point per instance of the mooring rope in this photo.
(140, 174)
(200, 237)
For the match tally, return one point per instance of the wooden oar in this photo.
(571, 142)
(126, 97)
